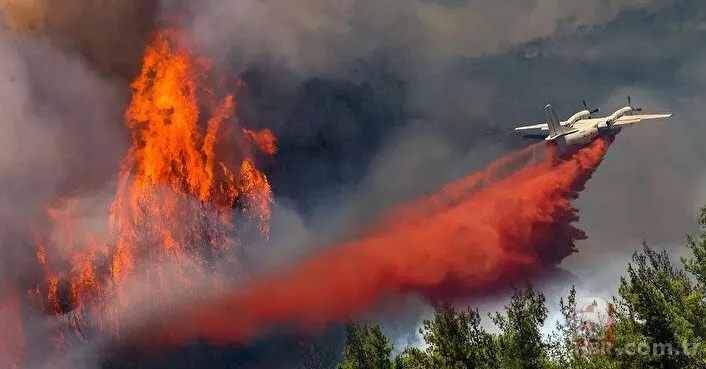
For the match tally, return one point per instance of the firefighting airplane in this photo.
(581, 128)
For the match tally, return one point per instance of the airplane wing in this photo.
(537, 127)
(540, 126)
(632, 119)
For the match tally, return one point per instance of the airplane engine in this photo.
(585, 114)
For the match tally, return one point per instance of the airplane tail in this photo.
(555, 128)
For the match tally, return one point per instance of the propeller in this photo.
(630, 105)
(596, 110)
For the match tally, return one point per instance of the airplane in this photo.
(583, 114)
(581, 128)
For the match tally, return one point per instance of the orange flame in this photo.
(264, 140)
(173, 174)
(176, 190)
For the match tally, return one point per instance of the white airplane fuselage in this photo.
(586, 130)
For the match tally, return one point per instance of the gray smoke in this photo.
(58, 118)
(314, 37)
(60, 128)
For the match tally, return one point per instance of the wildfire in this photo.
(184, 175)
(172, 216)
(172, 179)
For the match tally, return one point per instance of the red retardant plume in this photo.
(492, 226)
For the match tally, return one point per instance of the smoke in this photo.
(49, 146)
(29, 144)
(58, 118)
(404, 84)
(314, 37)
(110, 35)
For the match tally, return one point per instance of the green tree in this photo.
(661, 313)
(520, 342)
(366, 347)
(455, 340)
(696, 264)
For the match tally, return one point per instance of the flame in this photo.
(168, 147)
(265, 140)
(174, 191)
(178, 186)
(80, 257)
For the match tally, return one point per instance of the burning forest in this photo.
(189, 168)
(164, 265)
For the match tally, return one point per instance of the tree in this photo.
(520, 344)
(660, 312)
(366, 347)
(456, 341)
(696, 264)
